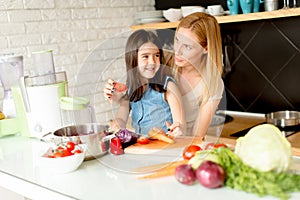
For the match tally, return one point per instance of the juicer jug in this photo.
(41, 102)
(11, 69)
(43, 64)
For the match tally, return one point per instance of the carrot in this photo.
(166, 171)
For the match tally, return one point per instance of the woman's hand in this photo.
(174, 129)
(110, 93)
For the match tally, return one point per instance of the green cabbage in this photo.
(265, 148)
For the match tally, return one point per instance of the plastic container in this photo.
(76, 111)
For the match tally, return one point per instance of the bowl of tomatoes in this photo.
(63, 158)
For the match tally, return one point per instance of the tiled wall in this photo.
(265, 65)
(74, 30)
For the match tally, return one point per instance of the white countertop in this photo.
(108, 177)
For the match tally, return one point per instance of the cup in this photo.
(246, 6)
(215, 10)
(256, 5)
(271, 5)
(233, 6)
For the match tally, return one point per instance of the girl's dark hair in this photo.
(135, 87)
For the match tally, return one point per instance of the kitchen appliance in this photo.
(43, 64)
(11, 69)
(38, 103)
(76, 111)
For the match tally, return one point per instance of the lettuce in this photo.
(265, 148)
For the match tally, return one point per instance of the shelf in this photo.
(229, 18)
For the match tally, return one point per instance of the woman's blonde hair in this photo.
(207, 30)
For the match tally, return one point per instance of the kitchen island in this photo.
(110, 176)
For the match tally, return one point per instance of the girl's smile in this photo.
(148, 60)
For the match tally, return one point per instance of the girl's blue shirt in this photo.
(150, 111)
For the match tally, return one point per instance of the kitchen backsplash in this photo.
(75, 30)
(264, 69)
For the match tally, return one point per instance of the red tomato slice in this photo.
(212, 145)
(209, 146)
(70, 146)
(190, 151)
(58, 154)
(143, 140)
(120, 87)
(77, 151)
(218, 145)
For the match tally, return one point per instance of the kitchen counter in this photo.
(108, 177)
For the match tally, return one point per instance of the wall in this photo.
(74, 30)
(264, 71)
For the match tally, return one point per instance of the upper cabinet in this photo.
(229, 18)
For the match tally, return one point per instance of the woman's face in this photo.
(148, 60)
(187, 48)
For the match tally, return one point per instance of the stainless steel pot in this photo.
(94, 137)
(283, 118)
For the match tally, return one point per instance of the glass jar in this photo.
(76, 111)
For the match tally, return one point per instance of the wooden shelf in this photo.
(229, 18)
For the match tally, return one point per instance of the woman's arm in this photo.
(174, 99)
(203, 120)
(121, 118)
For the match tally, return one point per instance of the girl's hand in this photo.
(110, 93)
(174, 129)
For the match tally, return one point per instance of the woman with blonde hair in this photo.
(198, 69)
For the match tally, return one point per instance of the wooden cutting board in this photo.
(156, 145)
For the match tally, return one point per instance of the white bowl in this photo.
(186, 10)
(172, 14)
(62, 164)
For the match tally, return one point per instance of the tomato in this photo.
(218, 145)
(209, 146)
(143, 140)
(77, 151)
(120, 87)
(70, 146)
(58, 154)
(66, 152)
(212, 145)
(190, 151)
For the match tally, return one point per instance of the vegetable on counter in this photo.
(120, 87)
(127, 137)
(210, 174)
(190, 151)
(243, 177)
(143, 140)
(265, 148)
(168, 170)
(185, 174)
(116, 146)
(2, 116)
(63, 150)
(160, 134)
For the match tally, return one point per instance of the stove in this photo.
(286, 131)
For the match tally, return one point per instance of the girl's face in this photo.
(148, 60)
(187, 48)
